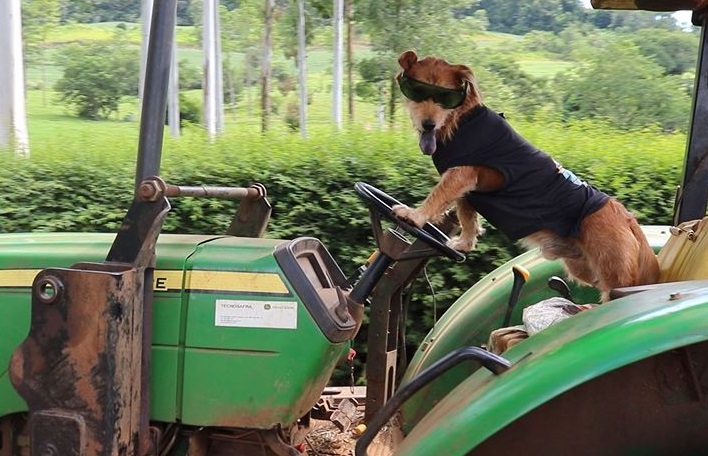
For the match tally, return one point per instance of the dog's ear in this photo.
(466, 75)
(407, 59)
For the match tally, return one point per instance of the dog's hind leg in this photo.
(616, 249)
(579, 270)
(470, 227)
(569, 250)
(553, 246)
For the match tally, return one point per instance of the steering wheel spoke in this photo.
(380, 203)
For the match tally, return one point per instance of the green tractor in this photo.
(202, 345)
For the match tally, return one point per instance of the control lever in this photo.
(521, 275)
(557, 284)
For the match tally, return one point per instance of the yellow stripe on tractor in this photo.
(171, 280)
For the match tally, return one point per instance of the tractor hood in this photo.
(560, 358)
(231, 314)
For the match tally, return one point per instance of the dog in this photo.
(486, 168)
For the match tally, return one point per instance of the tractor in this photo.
(140, 343)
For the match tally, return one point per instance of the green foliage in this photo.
(675, 51)
(421, 24)
(292, 116)
(632, 21)
(287, 25)
(632, 95)
(117, 11)
(189, 110)
(310, 185)
(376, 72)
(522, 17)
(190, 76)
(39, 17)
(97, 76)
(524, 94)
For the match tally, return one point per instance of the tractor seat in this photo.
(683, 257)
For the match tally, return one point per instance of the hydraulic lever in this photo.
(557, 284)
(521, 275)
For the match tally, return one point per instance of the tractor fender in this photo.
(560, 358)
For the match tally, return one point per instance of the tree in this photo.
(522, 17)
(635, 94)
(102, 10)
(675, 51)
(523, 94)
(97, 76)
(427, 25)
(375, 73)
(39, 17)
(269, 20)
(241, 32)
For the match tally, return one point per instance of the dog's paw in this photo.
(411, 215)
(462, 244)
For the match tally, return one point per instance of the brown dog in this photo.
(488, 168)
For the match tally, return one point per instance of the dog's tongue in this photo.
(427, 142)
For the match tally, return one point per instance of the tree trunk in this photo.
(266, 68)
(338, 17)
(13, 116)
(381, 106)
(173, 112)
(213, 84)
(219, 68)
(249, 92)
(349, 15)
(209, 98)
(231, 86)
(392, 102)
(301, 66)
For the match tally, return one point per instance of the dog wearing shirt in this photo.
(486, 168)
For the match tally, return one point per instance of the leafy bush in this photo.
(189, 110)
(97, 76)
(190, 76)
(310, 186)
(675, 51)
(631, 96)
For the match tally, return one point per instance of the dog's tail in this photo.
(648, 264)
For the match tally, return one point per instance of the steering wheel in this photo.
(429, 233)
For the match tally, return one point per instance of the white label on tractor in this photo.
(256, 314)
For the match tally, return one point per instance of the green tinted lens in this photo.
(419, 91)
(413, 90)
(450, 100)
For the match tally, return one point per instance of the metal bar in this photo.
(214, 192)
(693, 194)
(376, 270)
(649, 5)
(382, 345)
(157, 78)
(494, 363)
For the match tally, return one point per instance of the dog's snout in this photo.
(428, 125)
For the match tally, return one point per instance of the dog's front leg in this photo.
(469, 222)
(454, 183)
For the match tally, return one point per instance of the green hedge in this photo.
(310, 185)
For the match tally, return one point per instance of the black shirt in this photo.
(537, 192)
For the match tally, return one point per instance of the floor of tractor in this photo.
(326, 439)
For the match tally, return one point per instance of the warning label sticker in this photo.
(256, 314)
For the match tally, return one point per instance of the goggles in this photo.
(418, 91)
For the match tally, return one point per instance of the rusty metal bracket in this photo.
(252, 216)
(83, 368)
